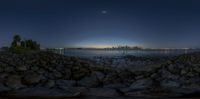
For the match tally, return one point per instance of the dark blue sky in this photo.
(89, 23)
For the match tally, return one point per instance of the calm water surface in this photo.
(114, 53)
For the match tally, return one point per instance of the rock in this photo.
(44, 92)
(183, 72)
(36, 68)
(21, 68)
(59, 67)
(65, 83)
(81, 90)
(79, 72)
(1, 68)
(41, 71)
(170, 84)
(3, 76)
(197, 68)
(116, 86)
(111, 78)
(57, 74)
(9, 69)
(141, 84)
(14, 82)
(190, 74)
(154, 76)
(50, 83)
(3, 88)
(31, 79)
(67, 73)
(139, 77)
(69, 63)
(102, 92)
(90, 81)
(140, 94)
(99, 75)
(168, 75)
(190, 90)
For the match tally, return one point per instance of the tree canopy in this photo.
(19, 44)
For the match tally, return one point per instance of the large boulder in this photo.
(99, 75)
(36, 69)
(44, 92)
(141, 84)
(3, 88)
(90, 81)
(21, 68)
(115, 85)
(170, 84)
(9, 69)
(65, 83)
(57, 74)
(102, 92)
(14, 82)
(50, 84)
(81, 90)
(32, 78)
(168, 75)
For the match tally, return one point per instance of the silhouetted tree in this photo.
(16, 41)
(19, 45)
(23, 44)
(32, 45)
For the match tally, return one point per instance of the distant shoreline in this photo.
(161, 49)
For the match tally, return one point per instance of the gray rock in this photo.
(175, 68)
(81, 90)
(1, 69)
(3, 76)
(190, 74)
(139, 77)
(60, 67)
(44, 92)
(67, 73)
(170, 84)
(50, 83)
(36, 68)
(14, 81)
(33, 78)
(183, 72)
(65, 83)
(41, 71)
(102, 92)
(90, 81)
(57, 74)
(9, 69)
(141, 84)
(3, 88)
(21, 68)
(117, 85)
(168, 75)
(186, 90)
(99, 75)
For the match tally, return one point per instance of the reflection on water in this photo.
(57, 50)
(111, 53)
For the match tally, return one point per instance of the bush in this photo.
(23, 46)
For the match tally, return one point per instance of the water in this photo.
(116, 53)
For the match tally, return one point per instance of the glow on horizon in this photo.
(105, 42)
(94, 46)
(102, 46)
(99, 46)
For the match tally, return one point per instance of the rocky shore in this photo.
(45, 74)
(130, 62)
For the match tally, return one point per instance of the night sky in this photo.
(102, 23)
